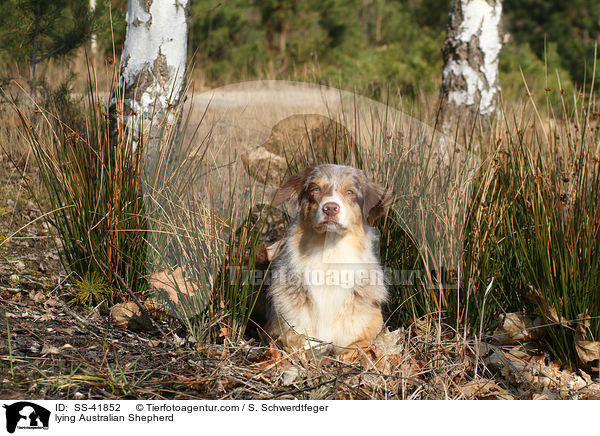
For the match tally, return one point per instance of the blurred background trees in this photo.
(32, 31)
(374, 46)
(570, 28)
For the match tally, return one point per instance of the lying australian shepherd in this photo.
(327, 284)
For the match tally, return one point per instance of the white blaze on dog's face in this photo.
(336, 198)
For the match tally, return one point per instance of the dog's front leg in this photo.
(364, 339)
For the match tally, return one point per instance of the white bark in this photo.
(471, 50)
(153, 61)
(94, 39)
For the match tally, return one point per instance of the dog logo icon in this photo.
(26, 415)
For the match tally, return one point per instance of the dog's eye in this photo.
(349, 192)
(316, 189)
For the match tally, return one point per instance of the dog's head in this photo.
(335, 198)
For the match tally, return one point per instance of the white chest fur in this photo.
(330, 273)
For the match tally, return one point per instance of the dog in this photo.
(327, 287)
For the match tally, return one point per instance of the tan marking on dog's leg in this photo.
(292, 341)
(351, 352)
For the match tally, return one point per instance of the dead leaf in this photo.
(547, 311)
(173, 284)
(588, 351)
(292, 341)
(390, 342)
(52, 301)
(38, 297)
(289, 376)
(170, 287)
(274, 358)
(178, 341)
(388, 355)
(49, 349)
(484, 389)
(515, 328)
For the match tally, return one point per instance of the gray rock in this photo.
(298, 141)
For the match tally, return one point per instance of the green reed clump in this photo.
(534, 224)
(93, 183)
(553, 230)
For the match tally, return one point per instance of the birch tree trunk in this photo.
(470, 77)
(94, 36)
(152, 76)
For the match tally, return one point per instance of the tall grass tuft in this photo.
(534, 224)
(123, 214)
(552, 225)
(93, 184)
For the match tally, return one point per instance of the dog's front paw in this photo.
(352, 352)
(293, 341)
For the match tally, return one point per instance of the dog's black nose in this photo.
(331, 209)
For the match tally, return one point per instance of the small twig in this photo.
(80, 320)
(142, 308)
(10, 354)
(478, 339)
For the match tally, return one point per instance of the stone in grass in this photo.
(128, 315)
(300, 140)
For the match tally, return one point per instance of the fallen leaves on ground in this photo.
(532, 373)
(484, 389)
(418, 362)
(515, 328)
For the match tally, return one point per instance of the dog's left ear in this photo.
(376, 201)
(293, 185)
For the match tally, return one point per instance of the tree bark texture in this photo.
(153, 64)
(471, 50)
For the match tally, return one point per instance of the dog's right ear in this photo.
(293, 185)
